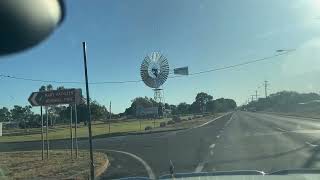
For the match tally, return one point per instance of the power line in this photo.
(66, 82)
(136, 81)
(244, 63)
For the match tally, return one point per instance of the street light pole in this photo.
(88, 109)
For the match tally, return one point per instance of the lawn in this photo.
(98, 128)
(102, 128)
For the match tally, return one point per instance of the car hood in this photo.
(296, 174)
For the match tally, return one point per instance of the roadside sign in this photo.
(141, 111)
(181, 71)
(64, 96)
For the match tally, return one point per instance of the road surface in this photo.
(237, 141)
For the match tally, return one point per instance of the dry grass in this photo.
(27, 165)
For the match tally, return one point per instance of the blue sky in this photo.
(201, 34)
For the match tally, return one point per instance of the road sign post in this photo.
(109, 117)
(71, 138)
(54, 97)
(42, 139)
(47, 126)
(88, 108)
(75, 128)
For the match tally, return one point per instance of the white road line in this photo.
(229, 120)
(146, 166)
(312, 145)
(211, 120)
(212, 146)
(200, 166)
(282, 130)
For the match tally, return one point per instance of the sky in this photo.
(200, 34)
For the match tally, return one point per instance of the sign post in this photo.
(0, 128)
(75, 128)
(54, 97)
(47, 130)
(42, 139)
(109, 116)
(71, 138)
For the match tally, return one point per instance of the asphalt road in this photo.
(238, 141)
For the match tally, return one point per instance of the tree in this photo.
(223, 105)
(60, 88)
(143, 102)
(49, 87)
(201, 101)
(173, 109)
(195, 107)
(210, 107)
(98, 112)
(166, 106)
(22, 115)
(5, 114)
(42, 88)
(183, 108)
(286, 101)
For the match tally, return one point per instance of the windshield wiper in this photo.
(218, 173)
(295, 171)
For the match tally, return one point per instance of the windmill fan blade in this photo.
(154, 70)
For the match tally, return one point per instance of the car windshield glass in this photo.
(145, 88)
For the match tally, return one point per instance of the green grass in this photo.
(98, 128)
(101, 128)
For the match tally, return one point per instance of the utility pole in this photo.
(88, 109)
(266, 88)
(256, 95)
(252, 98)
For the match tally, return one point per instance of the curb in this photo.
(97, 172)
(103, 168)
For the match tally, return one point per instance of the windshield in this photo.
(121, 88)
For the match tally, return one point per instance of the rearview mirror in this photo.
(25, 23)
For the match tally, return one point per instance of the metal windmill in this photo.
(154, 72)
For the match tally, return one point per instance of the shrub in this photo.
(189, 118)
(147, 128)
(162, 124)
(170, 122)
(176, 119)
